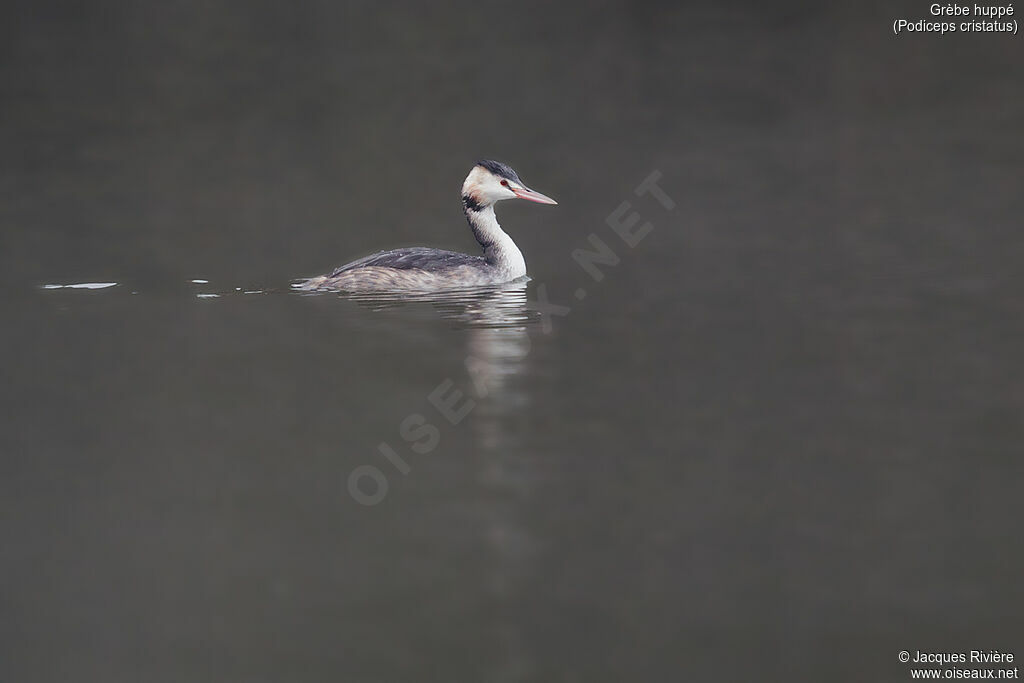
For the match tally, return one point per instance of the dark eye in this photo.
(505, 183)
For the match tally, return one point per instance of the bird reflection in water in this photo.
(498, 322)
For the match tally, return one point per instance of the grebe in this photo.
(423, 268)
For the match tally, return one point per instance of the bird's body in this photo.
(426, 269)
(414, 268)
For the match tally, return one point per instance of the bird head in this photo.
(492, 181)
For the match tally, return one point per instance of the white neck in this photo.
(499, 249)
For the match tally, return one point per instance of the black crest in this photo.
(499, 169)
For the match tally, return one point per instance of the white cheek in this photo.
(496, 192)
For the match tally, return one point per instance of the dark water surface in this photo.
(780, 440)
